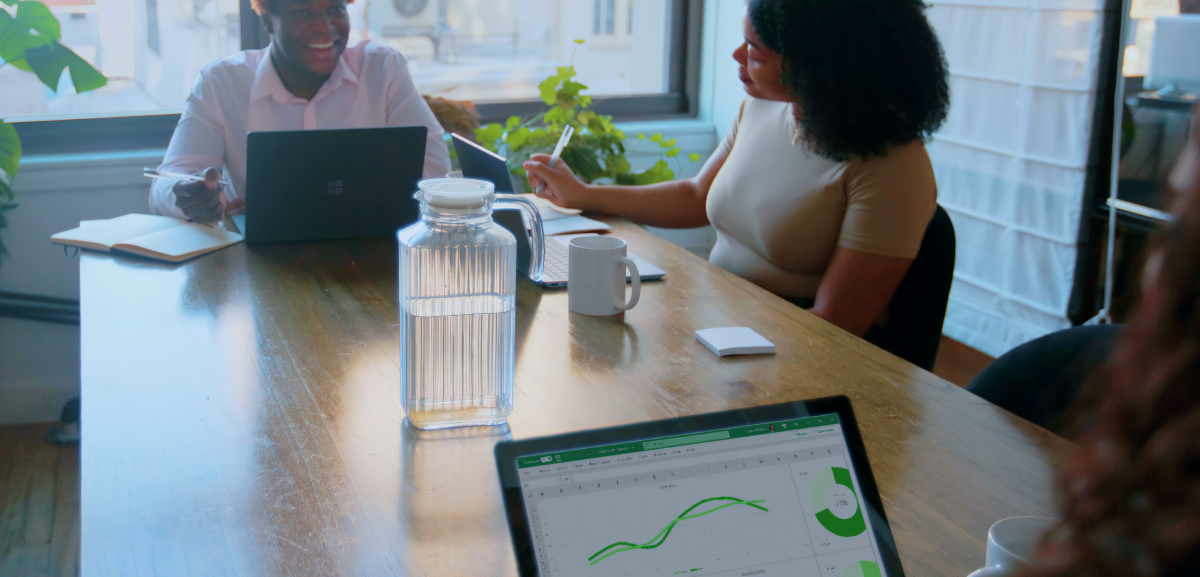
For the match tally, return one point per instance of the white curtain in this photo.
(1011, 158)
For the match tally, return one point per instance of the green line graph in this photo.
(661, 537)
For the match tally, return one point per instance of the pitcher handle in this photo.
(538, 243)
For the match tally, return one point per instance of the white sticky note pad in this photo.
(735, 341)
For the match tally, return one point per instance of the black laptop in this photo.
(332, 184)
(778, 490)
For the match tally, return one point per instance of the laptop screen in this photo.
(778, 498)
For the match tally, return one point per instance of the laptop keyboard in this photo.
(557, 267)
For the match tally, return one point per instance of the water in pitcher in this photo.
(459, 362)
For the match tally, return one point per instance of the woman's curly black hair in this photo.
(867, 74)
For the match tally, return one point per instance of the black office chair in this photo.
(1038, 380)
(915, 316)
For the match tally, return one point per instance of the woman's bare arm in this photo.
(674, 204)
(857, 287)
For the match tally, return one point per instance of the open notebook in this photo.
(558, 220)
(157, 237)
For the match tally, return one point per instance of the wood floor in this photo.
(39, 504)
(39, 485)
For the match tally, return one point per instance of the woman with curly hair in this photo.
(308, 78)
(1130, 499)
(822, 191)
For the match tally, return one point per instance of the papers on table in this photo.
(557, 220)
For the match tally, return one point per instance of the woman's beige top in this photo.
(780, 210)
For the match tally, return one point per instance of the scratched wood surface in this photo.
(241, 414)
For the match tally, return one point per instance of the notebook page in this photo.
(102, 234)
(180, 243)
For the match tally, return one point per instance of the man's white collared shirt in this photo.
(369, 88)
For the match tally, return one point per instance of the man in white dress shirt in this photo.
(306, 79)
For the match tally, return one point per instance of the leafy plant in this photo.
(596, 151)
(29, 40)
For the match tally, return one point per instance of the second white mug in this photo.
(596, 276)
(1010, 544)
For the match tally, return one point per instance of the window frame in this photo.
(105, 133)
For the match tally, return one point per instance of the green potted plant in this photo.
(597, 151)
(29, 40)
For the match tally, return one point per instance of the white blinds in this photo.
(1011, 158)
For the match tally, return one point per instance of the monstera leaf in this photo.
(48, 62)
(33, 27)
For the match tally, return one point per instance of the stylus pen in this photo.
(562, 143)
(152, 173)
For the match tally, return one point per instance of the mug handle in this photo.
(636, 277)
(991, 571)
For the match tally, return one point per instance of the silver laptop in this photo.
(554, 272)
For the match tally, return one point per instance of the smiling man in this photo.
(308, 78)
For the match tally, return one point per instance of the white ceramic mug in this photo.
(596, 276)
(1010, 543)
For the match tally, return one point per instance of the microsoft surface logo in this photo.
(334, 188)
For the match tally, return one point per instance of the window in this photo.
(603, 20)
(150, 50)
(494, 53)
(1141, 36)
(497, 50)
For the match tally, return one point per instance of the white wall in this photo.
(39, 362)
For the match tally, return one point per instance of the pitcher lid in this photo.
(455, 193)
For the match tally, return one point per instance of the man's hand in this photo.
(237, 206)
(201, 201)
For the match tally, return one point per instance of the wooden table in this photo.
(241, 414)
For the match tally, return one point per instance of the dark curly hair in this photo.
(1130, 499)
(867, 74)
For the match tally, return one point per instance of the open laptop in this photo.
(332, 184)
(480, 163)
(778, 490)
(558, 252)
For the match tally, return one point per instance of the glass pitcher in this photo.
(458, 273)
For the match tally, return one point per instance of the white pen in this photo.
(562, 143)
(152, 173)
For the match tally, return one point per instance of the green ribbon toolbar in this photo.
(665, 442)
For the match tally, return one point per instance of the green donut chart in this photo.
(819, 494)
(862, 569)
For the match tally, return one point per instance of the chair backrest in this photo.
(1038, 380)
(915, 316)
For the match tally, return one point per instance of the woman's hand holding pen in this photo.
(201, 201)
(559, 183)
